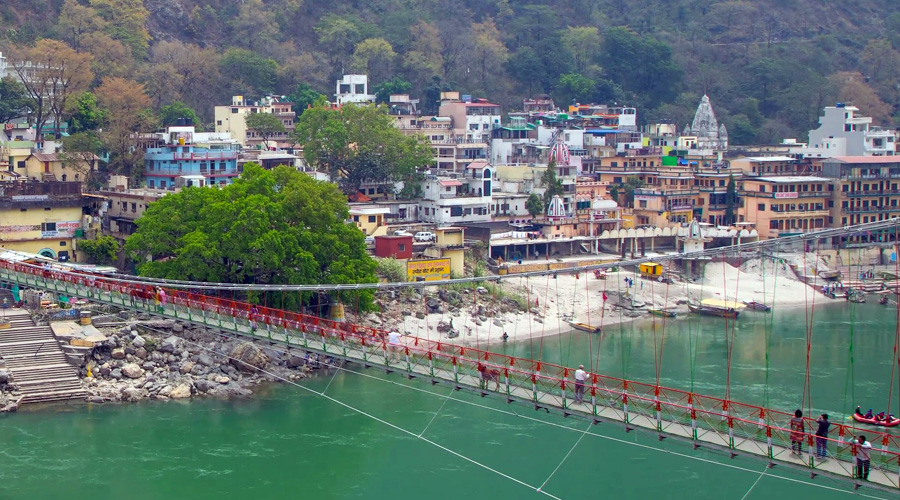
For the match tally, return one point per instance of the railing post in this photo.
(769, 452)
(455, 370)
(693, 417)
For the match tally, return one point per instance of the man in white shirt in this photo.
(394, 344)
(863, 449)
(580, 379)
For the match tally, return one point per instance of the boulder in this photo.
(104, 370)
(248, 357)
(118, 353)
(186, 367)
(4, 376)
(229, 391)
(170, 344)
(222, 379)
(198, 369)
(131, 370)
(138, 341)
(182, 391)
(294, 361)
(177, 328)
(204, 385)
(141, 353)
(133, 394)
(116, 374)
(148, 365)
(205, 360)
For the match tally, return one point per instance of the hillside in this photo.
(768, 65)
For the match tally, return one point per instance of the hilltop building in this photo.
(353, 88)
(843, 132)
(707, 130)
(233, 120)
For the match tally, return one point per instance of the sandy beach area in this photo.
(481, 317)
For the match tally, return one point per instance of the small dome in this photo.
(559, 152)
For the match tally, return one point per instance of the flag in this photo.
(604, 297)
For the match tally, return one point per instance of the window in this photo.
(761, 207)
(642, 203)
(473, 126)
(360, 88)
(62, 243)
(234, 110)
(47, 208)
(20, 164)
(218, 122)
(345, 88)
(401, 247)
(371, 218)
(23, 210)
(134, 207)
(48, 227)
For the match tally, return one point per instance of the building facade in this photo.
(182, 165)
(233, 120)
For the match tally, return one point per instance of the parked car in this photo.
(425, 236)
(402, 232)
(370, 240)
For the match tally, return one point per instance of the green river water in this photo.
(288, 442)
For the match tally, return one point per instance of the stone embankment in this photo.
(171, 361)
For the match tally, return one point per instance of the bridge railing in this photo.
(735, 424)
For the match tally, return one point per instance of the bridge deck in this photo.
(702, 420)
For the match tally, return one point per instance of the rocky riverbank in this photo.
(167, 360)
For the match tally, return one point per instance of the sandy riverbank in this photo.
(483, 318)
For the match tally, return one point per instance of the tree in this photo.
(127, 22)
(374, 56)
(255, 26)
(384, 91)
(640, 64)
(574, 87)
(731, 200)
(14, 100)
(103, 250)
(358, 144)
(76, 21)
(128, 110)
(249, 72)
(488, 50)
(303, 97)
(110, 57)
(184, 72)
(170, 113)
(631, 183)
(853, 88)
(84, 113)
(552, 184)
(583, 42)
(279, 227)
(51, 72)
(265, 124)
(80, 152)
(534, 205)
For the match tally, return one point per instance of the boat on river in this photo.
(661, 312)
(716, 307)
(871, 421)
(757, 306)
(584, 327)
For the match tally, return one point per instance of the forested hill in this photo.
(768, 65)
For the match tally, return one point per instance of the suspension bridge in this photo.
(705, 421)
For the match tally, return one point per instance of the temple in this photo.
(705, 127)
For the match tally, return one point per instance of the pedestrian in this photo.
(580, 379)
(254, 313)
(863, 448)
(505, 336)
(162, 300)
(394, 344)
(156, 298)
(822, 436)
(798, 428)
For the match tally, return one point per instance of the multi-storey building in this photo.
(786, 205)
(842, 132)
(180, 164)
(866, 188)
(454, 198)
(472, 122)
(45, 217)
(233, 120)
(352, 88)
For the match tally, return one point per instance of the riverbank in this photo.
(529, 307)
(161, 359)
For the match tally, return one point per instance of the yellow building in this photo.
(370, 219)
(786, 205)
(449, 244)
(45, 218)
(53, 167)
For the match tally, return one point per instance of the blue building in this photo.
(179, 165)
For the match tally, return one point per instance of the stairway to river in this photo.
(36, 361)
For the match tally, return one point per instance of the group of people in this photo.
(878, 417)
(862, 447)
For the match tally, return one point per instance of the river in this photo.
(381, 436)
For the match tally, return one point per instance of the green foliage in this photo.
(103, 250)
(391, 270)
(85, 113)
(632, 183)
(303, 97)
(640, 64)
(126, 21)
(359, 143)
(279, 227)
(573, 87)
(265, 124)
(395, 86)
(247, 72)
(552, 184)
(14, 100)
(170, 113)
(534, 205)
(731, 200)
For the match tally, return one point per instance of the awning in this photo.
(450, 183)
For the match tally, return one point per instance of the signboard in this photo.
(428, 270)
(787, 194)
(642, 197)
(681, 208)
(30, 197)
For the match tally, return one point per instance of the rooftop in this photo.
(867, 159)
(767, 158)
(786, 179)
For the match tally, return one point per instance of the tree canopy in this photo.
(275, 226)
(14, 101)
(265, 124)
(359, 143)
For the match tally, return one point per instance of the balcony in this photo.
(856, 194)
(870, 209)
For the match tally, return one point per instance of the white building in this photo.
(705, 127)
(233, 119)
(842, 132)
(353, 88)
(448, 200)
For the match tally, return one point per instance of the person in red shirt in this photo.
(798, 428)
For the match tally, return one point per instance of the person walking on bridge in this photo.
(580, 379)
(822, 436)
(863, 449)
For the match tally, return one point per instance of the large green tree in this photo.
(275, 227)
(14, 101)
(264, 124)
(359, 143)
(303, 97)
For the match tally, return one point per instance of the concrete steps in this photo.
(37, 362)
